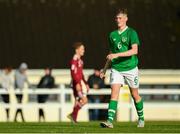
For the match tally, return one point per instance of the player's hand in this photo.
(111, 56)
(87, 86)
(83, 100)
(102, 75)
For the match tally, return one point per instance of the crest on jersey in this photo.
(124, 39)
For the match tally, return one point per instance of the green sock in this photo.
(139, 109)
(112, 110)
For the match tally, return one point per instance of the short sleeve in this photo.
(134, 39)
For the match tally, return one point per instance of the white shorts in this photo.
(131, 77)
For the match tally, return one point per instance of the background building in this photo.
(41, 32)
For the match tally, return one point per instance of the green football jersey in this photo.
(121, 42)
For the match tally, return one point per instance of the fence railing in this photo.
(62, 104)
(147, 76)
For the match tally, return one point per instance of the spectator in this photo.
(21, 77)
(20, 81)
(96, 83)
(47, 81)
(6, 83)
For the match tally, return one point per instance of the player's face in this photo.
(121, 20)
(81, 50)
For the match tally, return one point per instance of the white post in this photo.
(62, 103)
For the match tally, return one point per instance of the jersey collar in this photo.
(120, 32)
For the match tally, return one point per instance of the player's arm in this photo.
(74, 73)
(86, 84)
(130, 52)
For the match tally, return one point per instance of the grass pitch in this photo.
(90, 127)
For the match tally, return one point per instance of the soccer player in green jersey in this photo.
(123, 44)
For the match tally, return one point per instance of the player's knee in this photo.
(136, 97)
(114, 96)
(115, 91)
(134, 93)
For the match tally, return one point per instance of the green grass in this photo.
(90, 127)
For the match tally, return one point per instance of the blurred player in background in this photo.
(79, 84)
(124, 44)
